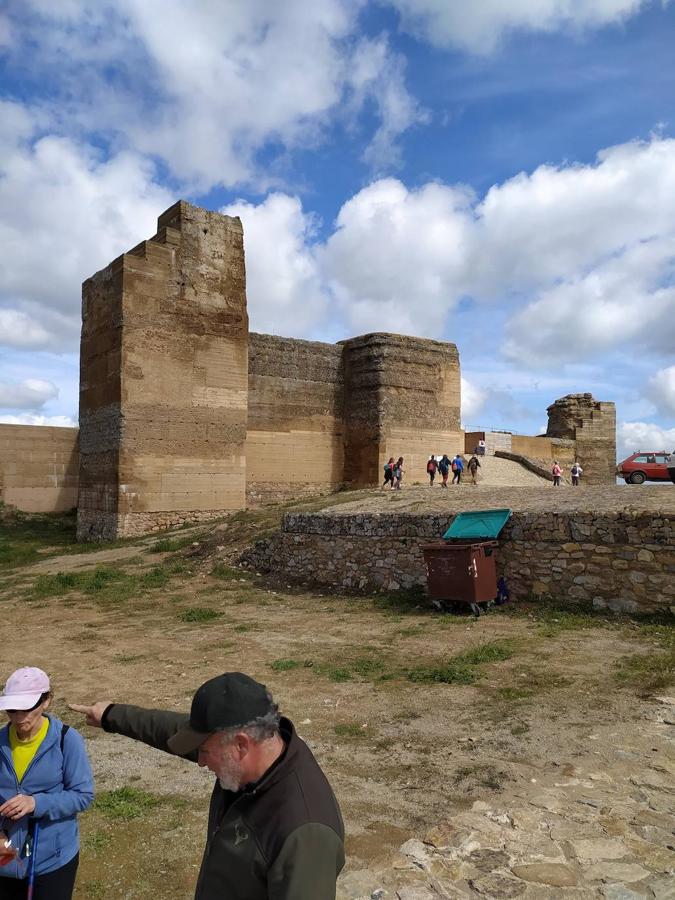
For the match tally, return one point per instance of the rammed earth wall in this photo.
(624, 561)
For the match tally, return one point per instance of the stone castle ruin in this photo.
(186, 415)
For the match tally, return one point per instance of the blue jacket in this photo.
(62, 785)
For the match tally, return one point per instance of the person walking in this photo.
(576, 472)
(45, 781)
(457, 469)
(398, 473)
(473, 467)
(275, 829)
(432, 466)
(388, 473)
(556, 471)
(444, 469)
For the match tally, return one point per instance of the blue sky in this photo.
(498, 175)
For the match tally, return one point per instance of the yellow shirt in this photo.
(24, 751)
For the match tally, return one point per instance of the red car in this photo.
(645, 466)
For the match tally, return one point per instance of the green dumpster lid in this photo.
(483, 523)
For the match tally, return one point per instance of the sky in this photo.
(496, 174)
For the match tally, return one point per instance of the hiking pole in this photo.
(33, 854)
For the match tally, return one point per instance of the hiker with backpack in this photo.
(474, 466)
(388, 473)
(432, 466)
(45, 781)
(457, 469)
(576, 472)
(444, 469)
(556, 471)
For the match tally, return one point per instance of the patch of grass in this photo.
(225, 573)
(170, 545)
(285, 665)
(198, 614)
(350, 729)
(96, 841)
(129, 657)
(107, 584)
(464, 668)
(648, 672)
(25, 538)
(125, 803)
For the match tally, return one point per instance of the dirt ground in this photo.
(527, 753)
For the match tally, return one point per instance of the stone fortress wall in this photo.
(185, 415)
(39, 467)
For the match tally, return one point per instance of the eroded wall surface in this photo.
(295, 438)
(39, 467)
(591, 424)
(164, 379)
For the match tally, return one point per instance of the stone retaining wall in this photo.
(624, 561)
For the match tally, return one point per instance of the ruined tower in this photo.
(591, 425)
(164, 379)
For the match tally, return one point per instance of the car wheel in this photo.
(638, 478)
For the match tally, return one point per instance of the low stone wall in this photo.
(624, 561)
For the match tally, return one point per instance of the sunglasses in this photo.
(13, 712)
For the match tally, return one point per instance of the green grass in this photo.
(125, 803)
(170, 545)
(648, 672)
(24, 538)
(105, 583)
(96, 841)
(464, 668)
(198, 614)
(226, 573)
(350, 729)
(286, 665)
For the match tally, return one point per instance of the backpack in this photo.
(574, 470)
(454, 466)
(431, 466)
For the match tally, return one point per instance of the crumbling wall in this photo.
(38, 467)
(295, 438)
(591, 424)
(164, 380)
(402, 398)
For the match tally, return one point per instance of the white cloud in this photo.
(32, 419)
(282, 282)
(632, 436)
(478, 27)
(219, 81)
(32, 393)
(473, 400)
(661, 390)
(64, 213)
(395, 260)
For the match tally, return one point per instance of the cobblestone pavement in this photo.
(597, 498)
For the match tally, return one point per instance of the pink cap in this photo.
(24, 688)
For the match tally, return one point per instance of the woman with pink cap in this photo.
(45, 781)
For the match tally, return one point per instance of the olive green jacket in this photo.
(278, 839)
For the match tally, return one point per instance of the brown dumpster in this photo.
(461, 568)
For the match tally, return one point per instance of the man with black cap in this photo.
(275, 831)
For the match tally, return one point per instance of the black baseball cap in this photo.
(226, 701)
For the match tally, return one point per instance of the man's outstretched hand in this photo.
(94, 713)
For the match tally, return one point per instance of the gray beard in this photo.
(229, 783)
